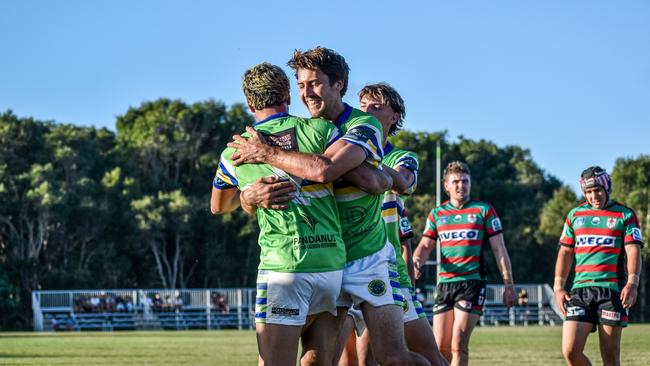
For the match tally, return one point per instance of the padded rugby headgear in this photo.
(595, 176)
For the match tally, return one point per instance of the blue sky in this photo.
(569, 80)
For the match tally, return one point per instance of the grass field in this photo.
(500, 346)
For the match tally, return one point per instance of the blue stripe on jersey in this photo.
(261, 315)
(388, 148)
(365, 148)
(395, 284)
(260, 301)
(333, 139)
(392, 274)
(274, 116)
(344, 117)
(398, 297)
(228, 174)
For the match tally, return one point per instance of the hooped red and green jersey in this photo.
(360, 212)
(464, 234)
(398, 227)
(598, 238)
(306, 237)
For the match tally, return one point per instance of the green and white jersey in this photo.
(598, 238)
(392, 210)
(360, 212)
(306, 237)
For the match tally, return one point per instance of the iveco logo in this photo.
(593, 240)
(458, 235)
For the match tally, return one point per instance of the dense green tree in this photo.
(87, 208)
(631, 186)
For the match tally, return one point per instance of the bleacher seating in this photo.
(199, 309)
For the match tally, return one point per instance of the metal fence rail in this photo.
(148, 308)
(203, 308)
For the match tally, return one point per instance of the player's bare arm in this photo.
(224, 200)
(630, 290)
(403, 179)
(338, 159)
(421, 254)
(370, 179)
(563, 263)
(503, 262)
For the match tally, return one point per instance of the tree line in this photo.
(82, 207)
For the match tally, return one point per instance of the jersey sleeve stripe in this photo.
(372, 155)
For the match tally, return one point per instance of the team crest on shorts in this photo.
(377, 287)
(405, 306)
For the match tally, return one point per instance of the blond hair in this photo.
(265, 85)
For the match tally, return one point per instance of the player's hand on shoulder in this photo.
(252, 150)
(269, 192)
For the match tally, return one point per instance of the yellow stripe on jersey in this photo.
(350, 193)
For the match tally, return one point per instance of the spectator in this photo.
(119, 304)
(95, 304)
(522, 297)
(222, 305)
(129, 304)
(157, 303)
(71, 322)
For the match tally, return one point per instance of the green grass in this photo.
(500, 346)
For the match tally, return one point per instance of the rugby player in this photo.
(604, 238)
(465, 227)
(384, 103)
(370, 279)
(297, 283)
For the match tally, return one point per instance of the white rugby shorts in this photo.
(373, 279)
(288, 298)
(412, 307)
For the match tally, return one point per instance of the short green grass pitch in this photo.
(492, 346)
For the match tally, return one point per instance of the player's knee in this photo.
(460, 350)
(572, 355)
(610, 356)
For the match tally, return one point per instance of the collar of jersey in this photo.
(458, 208)
(273, 116)
(346, 114)
(608, 205)
(388, 148)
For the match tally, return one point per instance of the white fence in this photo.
(144, 308)
(228, 308)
